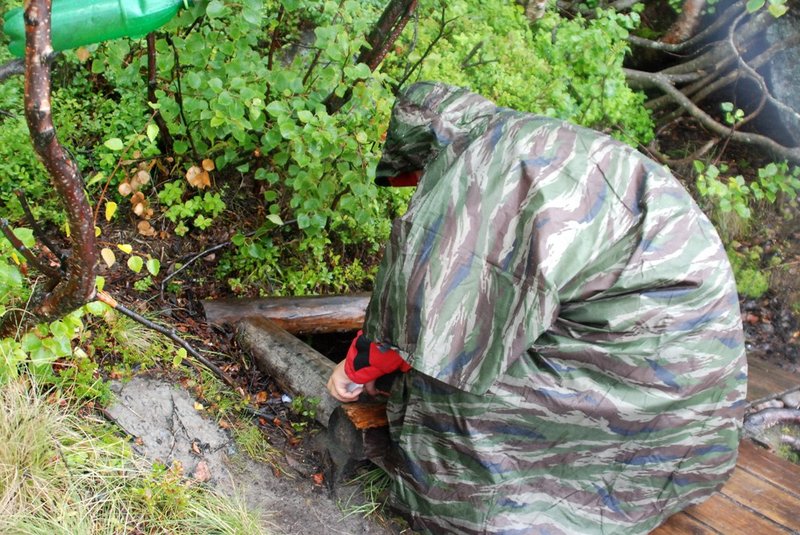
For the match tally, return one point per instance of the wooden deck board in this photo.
(765, 379)
(763, 495)
(728, 517)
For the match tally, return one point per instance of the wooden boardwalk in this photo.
(763, 495)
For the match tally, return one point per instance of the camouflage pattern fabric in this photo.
(572, 323)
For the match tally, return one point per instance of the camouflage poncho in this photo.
(571, 320)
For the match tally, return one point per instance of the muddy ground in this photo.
(168, 425)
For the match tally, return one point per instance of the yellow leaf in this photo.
(111, 209)
(82, 53)
(108, 256)
(97, 232)
(208, 164)
(14, 257)
(125, 248)
(198, 406)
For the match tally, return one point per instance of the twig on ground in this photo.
(169, 333)
(189, 262)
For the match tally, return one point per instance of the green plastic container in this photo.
(82, 22)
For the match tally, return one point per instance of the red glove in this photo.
(410, 178)
(366, 361)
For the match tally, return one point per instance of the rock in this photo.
(783, 76)
(792, 399)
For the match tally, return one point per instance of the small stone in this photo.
(201, 472)
(791, 399)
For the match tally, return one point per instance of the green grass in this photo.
(65, 474)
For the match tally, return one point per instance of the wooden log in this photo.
(361, 430)
(295, 366)
(297, 315)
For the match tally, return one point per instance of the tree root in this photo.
(757, 423)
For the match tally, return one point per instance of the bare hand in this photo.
(341, 387)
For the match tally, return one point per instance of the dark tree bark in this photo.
(77, 285)
(165, 143)
(380, 39)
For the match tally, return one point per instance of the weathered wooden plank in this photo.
(728, 517)
(297, 315)
(760, 495)
(683, 524)
(295, 366)
(766, 380)
(770, 467)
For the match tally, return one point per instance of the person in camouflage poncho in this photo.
(571, 321)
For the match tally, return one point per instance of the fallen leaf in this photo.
(82, 54)
(261, 397)
(111, 209)
(224, 424)
(208, 164)
(145, 228)
(198, 178)
(125, 248)
(196, 448)
(319, 478)
(198, 406)
(138, 441)
(108, 256)
(201, 472)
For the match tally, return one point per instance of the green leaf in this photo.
(275, 218)
(754, 5)
(135, 263)
(777, 10)
(215, 9)
(305, 116)
(152, 132)
(179, 357)
(114, 143)
(153, 266)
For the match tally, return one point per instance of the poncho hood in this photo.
(427, 118)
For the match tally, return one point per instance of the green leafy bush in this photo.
(569, 69)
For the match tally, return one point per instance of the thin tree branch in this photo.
(12, 68)
(37, 230)
(720, 22)
(189, 262)
(273, 45)
(169, 333)
(644, 79)
(383, 35)
(443, 22)
(152, 84)
(179, 96)
(27, 253)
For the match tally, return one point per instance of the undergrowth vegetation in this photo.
(64, 473)
(252, 159)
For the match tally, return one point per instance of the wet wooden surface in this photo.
(763, 495)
